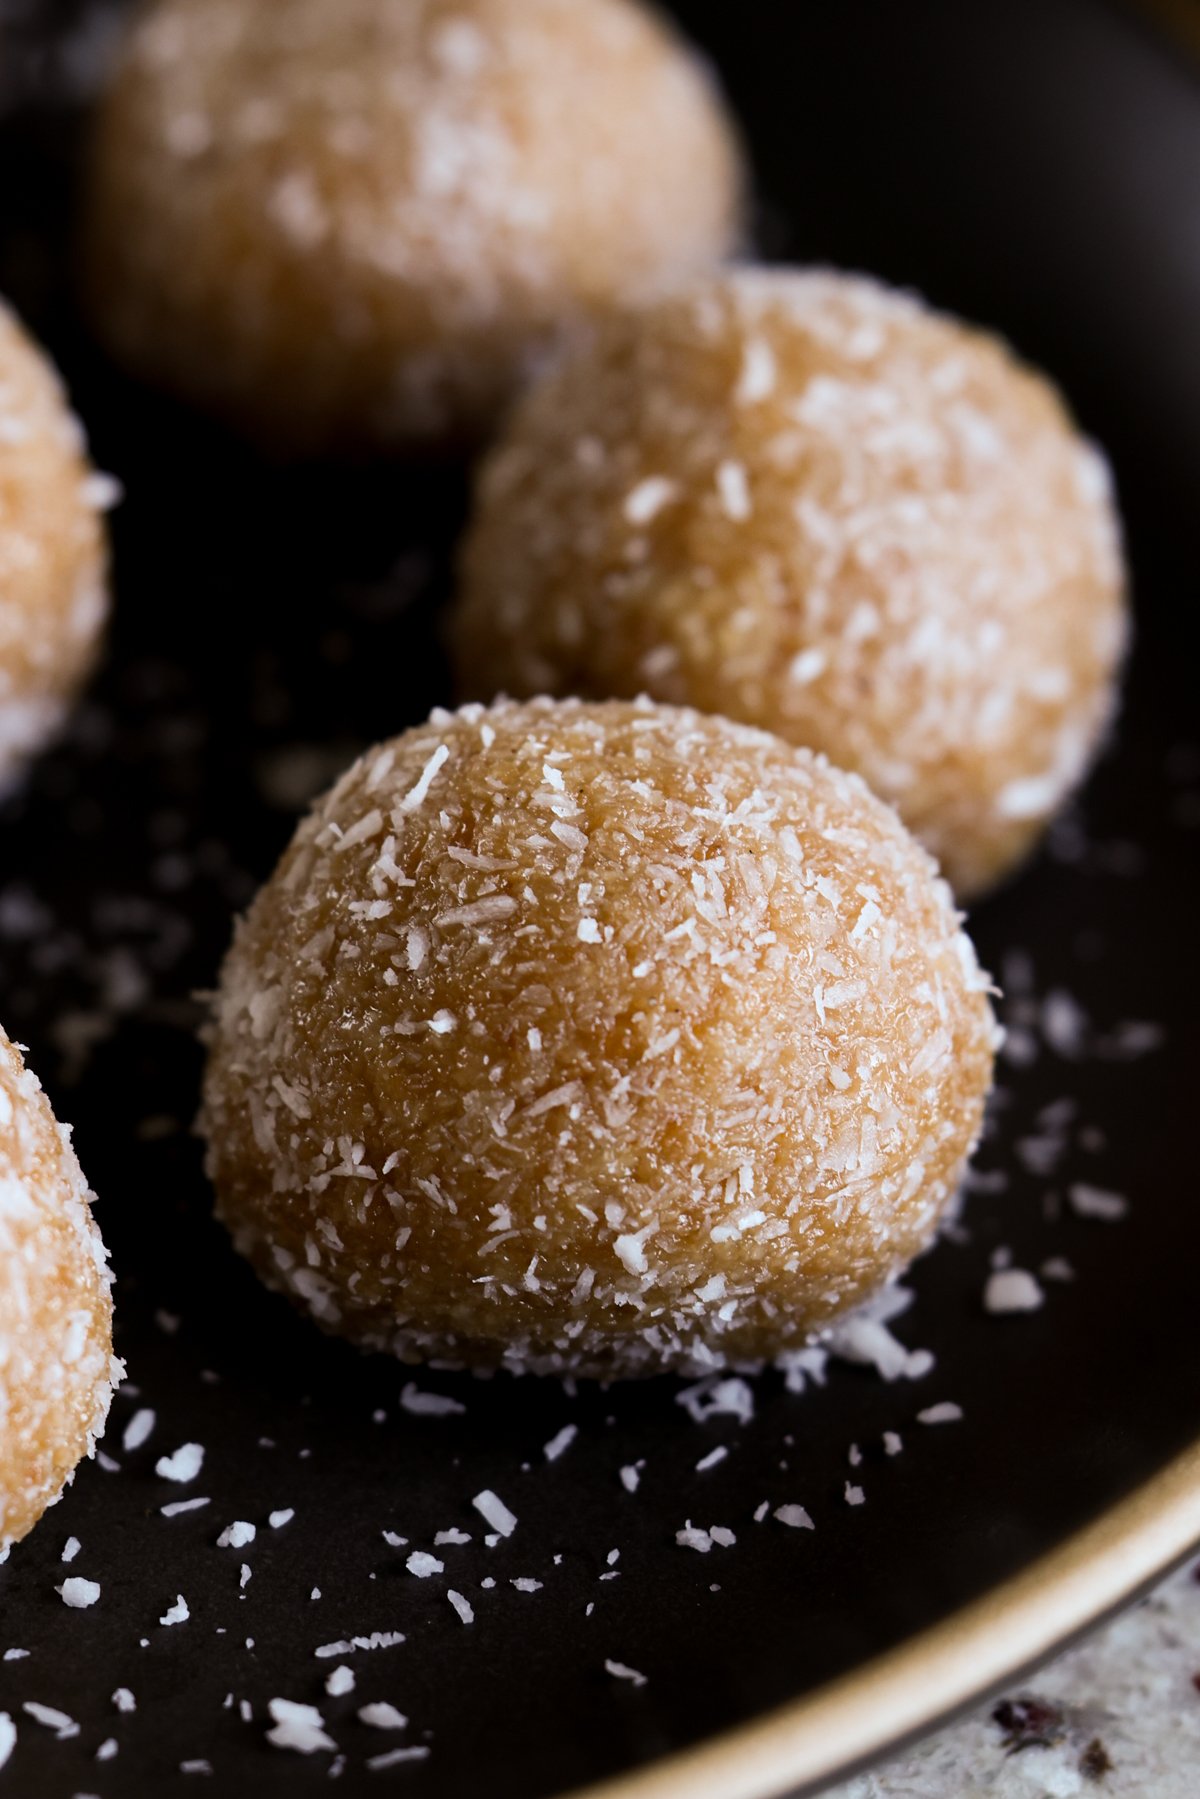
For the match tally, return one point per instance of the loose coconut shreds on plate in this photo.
(723, 873)
(57, 1369)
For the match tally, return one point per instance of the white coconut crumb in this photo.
(630, 1249)
(123, 1700)
(177, 1507)
(794, 1516)
(138, 1429)
(236, 1535)
(734, 489)
(244, 1574)
(184, 1465)
(107, 1749)
(709, 1398)
(1056, 1268)
(340, 1682)
(560, 1442)
(1064, 1024)
(631, 1476)
(394, 1540)
(493, 1511)
(196, 1766)
(177, 1613)
(893, 1442)
(382, 1716)
(524, 1584)
(1012, 1290)
(757, 377)
(8, 1737)
(453, 1535)
(1096, 1202)
(71, 1549)
(79, 1593)
(462, 1606)
(712, 1459)
(412, 799)
(100, 491)
(61, 1723)
(622, 1671)
(277, 1520)
(945, 1412)
(806, 666)
(418, 1752)
(854, 1495)
(422, 1564)
(645, 501)
(429, 1405)
(298, 1727)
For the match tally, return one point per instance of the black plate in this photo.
(1036, 166)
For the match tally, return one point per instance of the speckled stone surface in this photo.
(1118, 1717)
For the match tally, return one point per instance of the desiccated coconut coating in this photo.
(354, 222)
(808, 502)
(599, 1038)
(57, 1369)
(53, 556)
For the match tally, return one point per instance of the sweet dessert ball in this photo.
(356, 223)
(807, 502)
(57, 1369)
(593, 1038)
(53, 554)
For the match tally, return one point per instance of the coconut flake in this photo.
(1012, 1290)
(422, 1564)
(493, 1511)
(298, 1727)
(429, 1405)
(236, 1535)
(184, 1465)
(1096, 1202)
(795, 1516)
(945, 1412)
(382, 1716)
(79, 1593)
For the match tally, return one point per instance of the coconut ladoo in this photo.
(808, 502)
(53, 553)
(353, 225)
(593, 1038)
(57, 1369)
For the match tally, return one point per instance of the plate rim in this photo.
(898, 1696)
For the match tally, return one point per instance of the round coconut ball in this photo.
(810, 503)
(356, 223)
(593, 1038)
(53, 552)
(57, 1369)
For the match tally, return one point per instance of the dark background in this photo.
(1033, 165)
